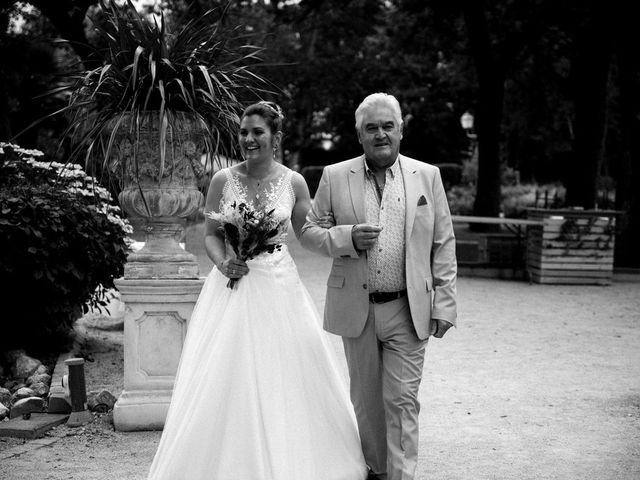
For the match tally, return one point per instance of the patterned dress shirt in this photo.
(385, 206)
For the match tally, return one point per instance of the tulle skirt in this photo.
(258, 394)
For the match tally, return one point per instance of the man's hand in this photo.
(440, 327)
(327, 221)
(364, 235)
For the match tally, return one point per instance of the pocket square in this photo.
(422, 200)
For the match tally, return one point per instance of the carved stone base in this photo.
(155, 325)
(161, 257)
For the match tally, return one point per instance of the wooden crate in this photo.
(571, 246)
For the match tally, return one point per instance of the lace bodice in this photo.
(277, 194)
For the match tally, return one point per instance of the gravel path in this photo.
(538, 382)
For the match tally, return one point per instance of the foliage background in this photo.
(553, 86)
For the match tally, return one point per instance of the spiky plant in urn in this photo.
(159, 102)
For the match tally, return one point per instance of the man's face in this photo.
(380, 135)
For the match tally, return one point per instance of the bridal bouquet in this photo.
(248, 230)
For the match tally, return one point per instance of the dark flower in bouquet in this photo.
(250, 231)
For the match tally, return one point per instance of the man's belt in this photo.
(384, 297)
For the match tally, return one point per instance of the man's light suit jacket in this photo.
(430, 246)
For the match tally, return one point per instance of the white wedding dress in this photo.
(258, 394)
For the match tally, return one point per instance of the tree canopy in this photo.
(553, 86)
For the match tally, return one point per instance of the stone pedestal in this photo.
(156, 316)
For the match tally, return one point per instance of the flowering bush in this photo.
(62, 243)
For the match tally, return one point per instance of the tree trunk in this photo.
(589, 77)
(491, 77)
(627, 253)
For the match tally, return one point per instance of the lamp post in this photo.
(466, 121)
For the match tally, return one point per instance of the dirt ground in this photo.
(538, 382)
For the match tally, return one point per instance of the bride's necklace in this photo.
(258, 183)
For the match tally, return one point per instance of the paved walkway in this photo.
(538, 382)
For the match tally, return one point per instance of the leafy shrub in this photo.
(515, 198)
(461, 198)
(509, 177)
(62, 243)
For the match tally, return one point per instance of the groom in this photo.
(392, 283)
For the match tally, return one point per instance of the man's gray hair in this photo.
(377, 99)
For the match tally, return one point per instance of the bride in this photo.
(258, 395)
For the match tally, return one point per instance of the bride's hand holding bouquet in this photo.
(249, 231)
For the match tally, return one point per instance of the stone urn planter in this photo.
(161, 281)
(571, 246)
(160, 192)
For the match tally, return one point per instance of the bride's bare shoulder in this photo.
(239, 169)
(299, 184)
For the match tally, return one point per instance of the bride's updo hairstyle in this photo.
(270, 111)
